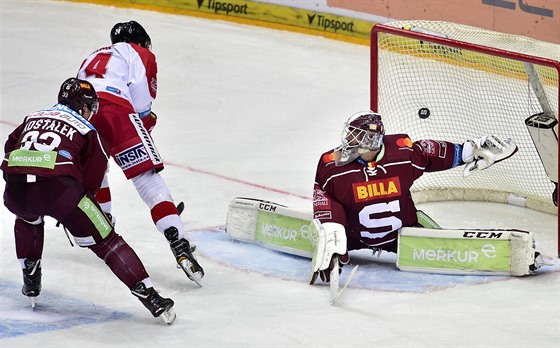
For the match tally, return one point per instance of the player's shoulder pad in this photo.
(397, 141)
(328, 157)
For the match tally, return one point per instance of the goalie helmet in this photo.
(131, 32)
(76, 93)
(363, 132)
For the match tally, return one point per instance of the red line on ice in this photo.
(236, 180)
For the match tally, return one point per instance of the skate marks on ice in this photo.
(375, 273)
(53, 312)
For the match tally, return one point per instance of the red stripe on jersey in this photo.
(115, 100)
(149, 61)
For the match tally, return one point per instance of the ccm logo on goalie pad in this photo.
(481, 235)
(267, 207)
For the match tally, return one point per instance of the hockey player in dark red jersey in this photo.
(54, 162)
(362, 188)
(125, 77)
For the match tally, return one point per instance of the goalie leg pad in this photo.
(522, 253)
(487, 252)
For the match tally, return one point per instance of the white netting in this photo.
(468, 94)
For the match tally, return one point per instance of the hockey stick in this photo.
(336, 292)
(180, 207)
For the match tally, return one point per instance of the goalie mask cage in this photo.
(447, 81)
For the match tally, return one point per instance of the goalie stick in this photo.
(180, 207)
(336, 291)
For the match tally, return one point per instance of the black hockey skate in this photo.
(32, 279)
(183, 253)
(539, 262)
(157, 305)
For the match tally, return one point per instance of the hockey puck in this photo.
(424, 113)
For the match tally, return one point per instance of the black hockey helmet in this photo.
(131, 32)
(76, 93)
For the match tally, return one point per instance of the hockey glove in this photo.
(150, 121)
(481, 153)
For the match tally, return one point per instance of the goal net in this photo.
(446, 81)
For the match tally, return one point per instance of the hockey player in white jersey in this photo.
(125, 76)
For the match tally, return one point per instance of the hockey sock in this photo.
(148, 283)
(165, 215)
(103, 195)
(29, 238)
(154, 192)
(121, 259)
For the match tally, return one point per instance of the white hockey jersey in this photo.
(125, 74)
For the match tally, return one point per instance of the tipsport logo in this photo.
(330, 24)
(223, 6)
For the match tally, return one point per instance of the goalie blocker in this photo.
(543, 129)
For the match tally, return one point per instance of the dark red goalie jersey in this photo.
(56, 142)
(372, 200)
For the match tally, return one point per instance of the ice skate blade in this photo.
(32, 299)
(185, 265)
(168, 317)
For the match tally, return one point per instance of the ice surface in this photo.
(243, 111)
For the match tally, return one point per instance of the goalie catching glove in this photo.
(329, 242)
(481, 153)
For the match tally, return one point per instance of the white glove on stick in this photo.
(481, 153)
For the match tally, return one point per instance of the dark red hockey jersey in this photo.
(372, 200)
(54, 142)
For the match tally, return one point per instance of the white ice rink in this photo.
(243, 111)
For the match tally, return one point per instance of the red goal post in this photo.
(448, 81)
